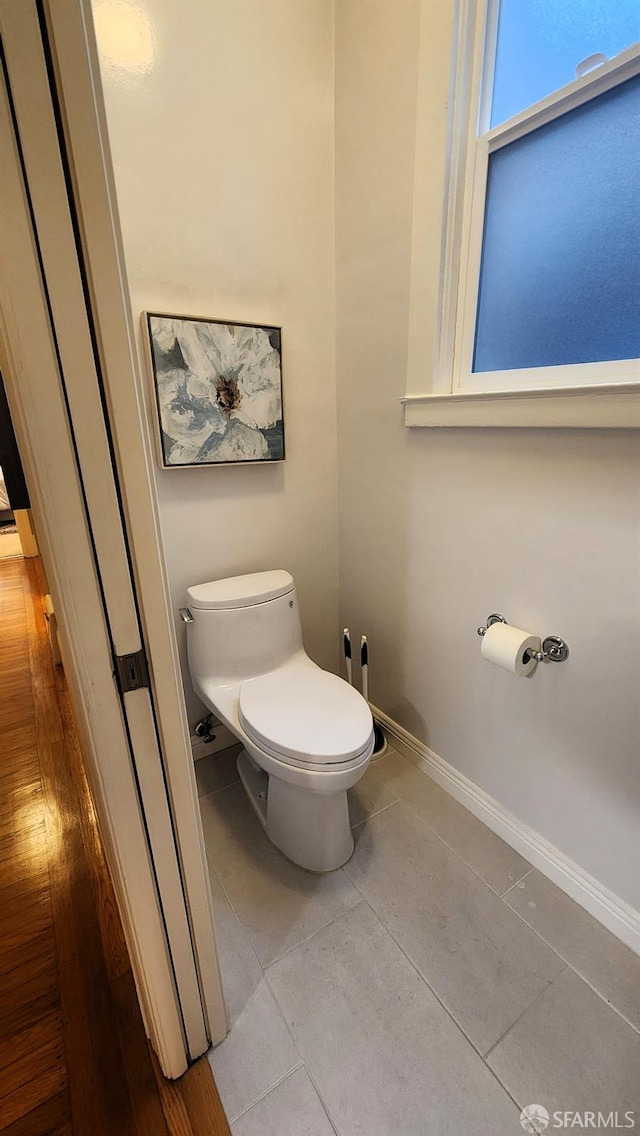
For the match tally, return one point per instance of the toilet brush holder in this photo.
(379, 740)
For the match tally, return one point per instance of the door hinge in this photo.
(132, 671)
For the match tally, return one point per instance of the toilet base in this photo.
(311, 829)
(255, 783)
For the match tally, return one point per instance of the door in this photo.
(65, 347)
(10, 463)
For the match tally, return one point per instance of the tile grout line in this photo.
(384, 809)
(489, 888)
(237, 917)
(313, 934)
(336, 919)
(407, 805)
(570, 966)
(303, 942)
(515, 884)
(274, 996)
(520, 1016)
(262, 1096)
(375, 814)
(295, 946)
(438, 999)
(220, 789)
(264, 975)
(482, 1056)
(401, 801)
(632, 1025)
(264, 968)
(323, 1102)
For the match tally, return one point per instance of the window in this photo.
(541, 277)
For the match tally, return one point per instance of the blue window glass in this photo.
(560, 270)
(541, 42)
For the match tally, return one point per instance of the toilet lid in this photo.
(241, 591)
(306, 713)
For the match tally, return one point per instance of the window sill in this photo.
(604, 408)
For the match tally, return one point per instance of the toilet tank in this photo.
(242, 626)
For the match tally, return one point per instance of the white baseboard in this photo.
(616, 915)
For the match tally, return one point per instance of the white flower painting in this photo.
(218, 391)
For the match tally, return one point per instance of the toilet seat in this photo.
(302, 713)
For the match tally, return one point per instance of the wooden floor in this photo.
(73, 1054)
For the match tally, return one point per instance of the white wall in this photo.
(221, 126)
(438, 528)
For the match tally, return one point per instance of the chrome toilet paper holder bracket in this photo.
(554, 649)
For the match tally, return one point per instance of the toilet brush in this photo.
(364, 666)
(380, 742)
(346, 644)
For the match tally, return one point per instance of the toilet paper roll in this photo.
(507, 647)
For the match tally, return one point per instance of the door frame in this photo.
(50, 452)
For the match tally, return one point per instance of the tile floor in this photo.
(436, 984)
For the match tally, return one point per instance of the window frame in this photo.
(470, 141)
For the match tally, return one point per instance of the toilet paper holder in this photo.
(554, 649)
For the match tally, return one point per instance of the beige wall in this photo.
(221, 129)
(440, 527)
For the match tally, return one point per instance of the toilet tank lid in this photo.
(241, 591)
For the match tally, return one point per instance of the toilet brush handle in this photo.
(364, 666)
(346, 644)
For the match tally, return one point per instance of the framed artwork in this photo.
(218, 391)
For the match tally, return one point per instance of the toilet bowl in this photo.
(307, 735)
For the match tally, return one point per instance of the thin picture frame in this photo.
(217, 391)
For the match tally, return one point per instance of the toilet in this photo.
(307, 735)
